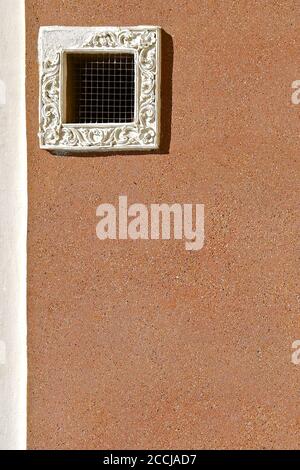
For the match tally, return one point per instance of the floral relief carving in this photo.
(50, 114)
(126, 38)
(141, 133)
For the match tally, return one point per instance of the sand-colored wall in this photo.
(142, 344)
(13, 212)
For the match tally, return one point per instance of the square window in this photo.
(99, 88)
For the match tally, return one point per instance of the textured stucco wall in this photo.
(13, 207)
(141, 344)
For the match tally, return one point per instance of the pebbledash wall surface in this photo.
(139, 343)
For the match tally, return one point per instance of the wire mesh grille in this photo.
(102, 87)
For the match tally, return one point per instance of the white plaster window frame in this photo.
(55, 42)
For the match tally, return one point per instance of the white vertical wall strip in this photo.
(13, 226)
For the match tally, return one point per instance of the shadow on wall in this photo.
(166, 106)
(166, 91)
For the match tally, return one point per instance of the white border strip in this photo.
(13, 227)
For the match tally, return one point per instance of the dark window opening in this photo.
(100, 88)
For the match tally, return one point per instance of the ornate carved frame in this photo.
(62, 138)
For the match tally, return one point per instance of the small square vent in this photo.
(99, 88)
